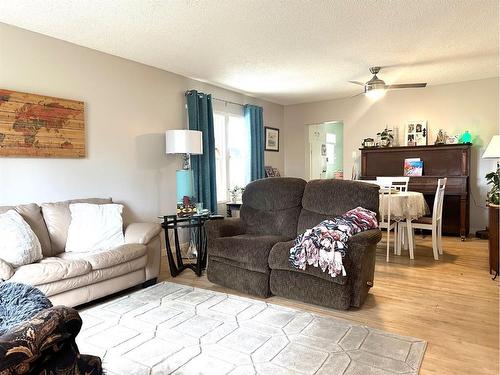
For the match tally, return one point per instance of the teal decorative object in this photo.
(466, 137)
(184, 178)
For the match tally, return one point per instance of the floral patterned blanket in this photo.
(325, 244)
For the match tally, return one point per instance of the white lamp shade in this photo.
(493, 149)
(183, 142)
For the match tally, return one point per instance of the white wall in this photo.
(128, 107)
(472, 105)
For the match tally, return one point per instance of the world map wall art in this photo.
(41, 126)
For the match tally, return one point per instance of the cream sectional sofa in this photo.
(72, 279)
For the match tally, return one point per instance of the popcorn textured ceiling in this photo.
(285, 51)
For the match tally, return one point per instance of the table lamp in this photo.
(186, 142)
(493, 150)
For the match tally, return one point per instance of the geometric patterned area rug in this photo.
(175, 329)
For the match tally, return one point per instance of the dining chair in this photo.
(398, 183)
(386, 189)
(433, 223)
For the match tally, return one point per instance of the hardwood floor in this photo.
(452, 303)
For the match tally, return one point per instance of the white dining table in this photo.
(405, 206)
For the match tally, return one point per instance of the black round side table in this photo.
(195, 222)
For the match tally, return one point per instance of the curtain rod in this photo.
(220, 100)
(228, 102)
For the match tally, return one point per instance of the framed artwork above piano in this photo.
(451, 161)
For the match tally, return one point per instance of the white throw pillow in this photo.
(19, 245)
(95, 227)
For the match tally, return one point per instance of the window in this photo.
(220, 156)
(232, 153)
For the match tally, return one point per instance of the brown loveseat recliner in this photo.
(238, 249)
(251, 253)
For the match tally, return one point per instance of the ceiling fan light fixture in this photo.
(375, 88)
(376, 83)
(375, 93)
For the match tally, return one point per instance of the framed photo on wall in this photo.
(416, 133)
(272, 139)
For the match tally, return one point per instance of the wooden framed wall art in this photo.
(272, 139)
(416, 133)
(41, 126)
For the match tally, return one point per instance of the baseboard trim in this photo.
(149, 282)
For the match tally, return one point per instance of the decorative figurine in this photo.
(441, 138)
(466, 137)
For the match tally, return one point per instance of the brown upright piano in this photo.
(451, 161)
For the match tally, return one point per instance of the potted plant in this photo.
(236, 193)
(386, 137)
(493, 196)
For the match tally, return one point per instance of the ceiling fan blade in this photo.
(358, 83)
(361, 93)
(405, 85)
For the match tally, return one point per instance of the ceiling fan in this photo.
(376, 87)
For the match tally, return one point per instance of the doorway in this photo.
(325, 150)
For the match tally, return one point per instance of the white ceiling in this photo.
(286, 51)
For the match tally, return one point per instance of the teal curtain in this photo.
(254, 119)
(201, 117)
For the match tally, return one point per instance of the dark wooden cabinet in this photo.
(451, 161)
(493, 212)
